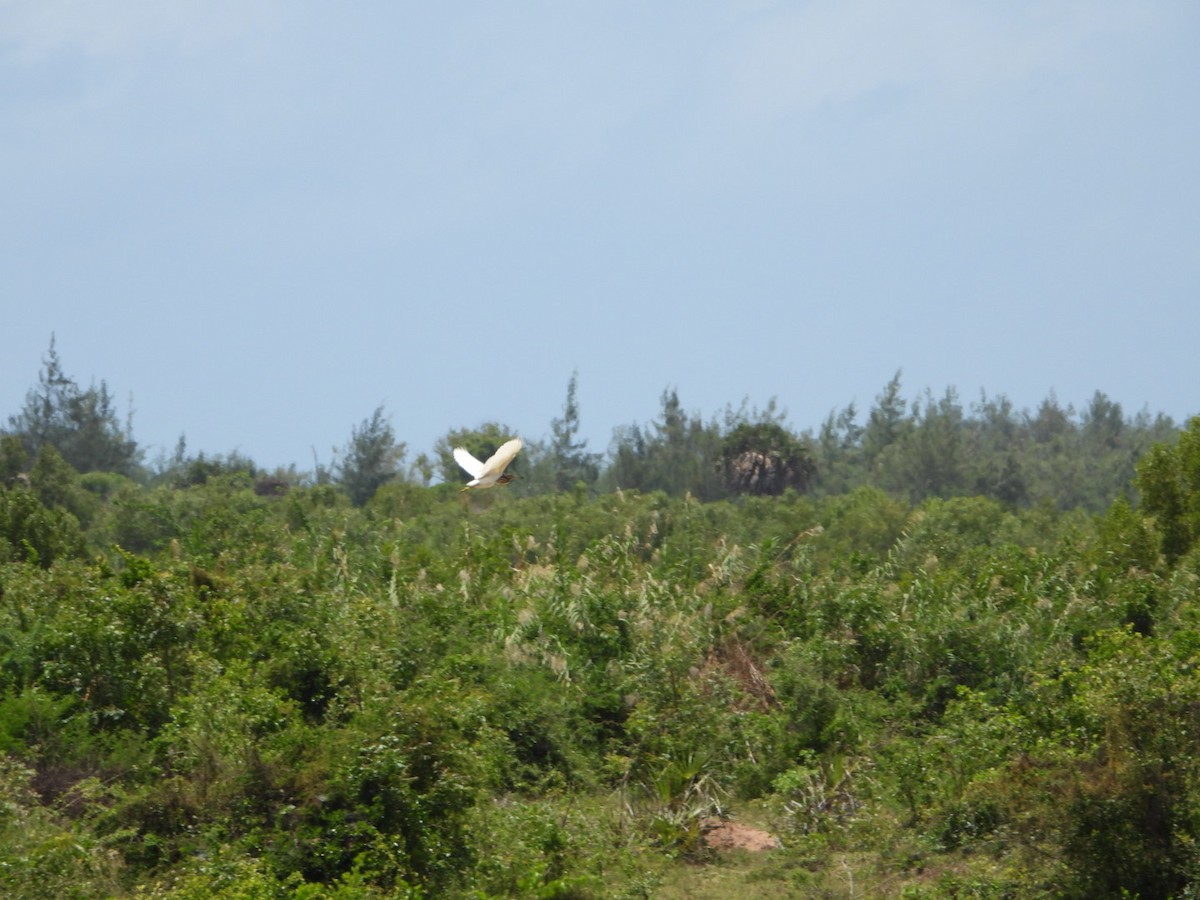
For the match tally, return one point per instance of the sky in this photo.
(256, 221)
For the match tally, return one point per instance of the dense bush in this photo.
(208, 690)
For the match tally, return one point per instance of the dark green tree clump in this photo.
(936, 447)
(571, 462)
(677, 453)
(370, 460)
(1168, 478)
(81, 424)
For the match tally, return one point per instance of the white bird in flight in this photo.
(491, 473)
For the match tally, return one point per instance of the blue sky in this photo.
(261, 219)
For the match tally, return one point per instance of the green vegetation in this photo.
(946, 654)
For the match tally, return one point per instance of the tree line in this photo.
(930, 446)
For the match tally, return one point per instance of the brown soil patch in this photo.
(720, 835)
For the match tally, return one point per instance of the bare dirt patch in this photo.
(722, 835)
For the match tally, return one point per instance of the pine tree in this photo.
(82, 425)
(569, 456)
(370, 460)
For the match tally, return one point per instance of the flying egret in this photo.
(488, 474)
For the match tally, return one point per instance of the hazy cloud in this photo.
(34, 29)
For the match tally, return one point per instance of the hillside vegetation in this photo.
(222, 682)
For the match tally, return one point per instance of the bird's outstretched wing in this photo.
(470, 464)
(499, 460)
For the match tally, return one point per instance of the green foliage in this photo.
(58, 486)
(863, 525)
(676, 453)
(1169, 480)
(940, 449)
(886, 424)
(29, 531)
(183, 470)
(1094, 770)
(933, 460)
(571, 462)
(927, 684)
(14, 460)
(43, 856)
(370, 460)
(81, 424)
(1127, 539)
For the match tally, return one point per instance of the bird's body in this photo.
(491, 473)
